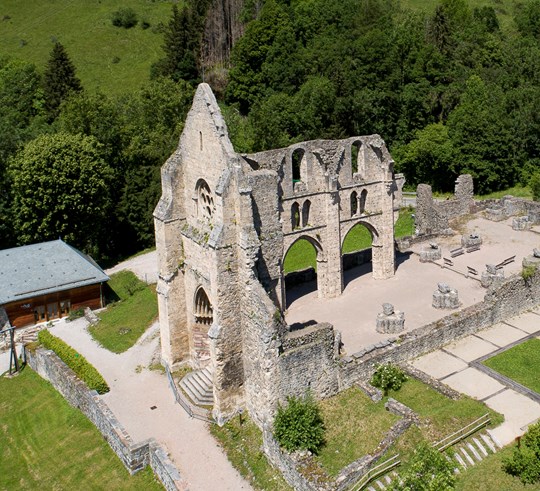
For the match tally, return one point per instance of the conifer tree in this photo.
(59, 80)
(181, 41)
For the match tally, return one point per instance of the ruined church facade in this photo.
(224, 224)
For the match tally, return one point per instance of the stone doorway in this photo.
(204, 316)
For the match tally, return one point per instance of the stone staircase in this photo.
(467, 454)
(198, 386)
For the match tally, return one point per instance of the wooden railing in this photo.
(463, 433)
(375, 472)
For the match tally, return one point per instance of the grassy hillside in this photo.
(109, 59)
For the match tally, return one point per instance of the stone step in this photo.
(467, 456)
(460, 460)
(381, 486)
(198, 386)
(474, 452)
(488, 441)
(480, 447)
(494, 439)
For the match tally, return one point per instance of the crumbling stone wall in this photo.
(223, 226)
(432, 216)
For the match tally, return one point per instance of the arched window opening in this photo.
(355, 155)
(358, 238)
(295, 216)
(200, 141)
(305, 213)
(205, 200)
(363, 199)
(297, 157)
(354, 203)
(204, 313)
(300, 269)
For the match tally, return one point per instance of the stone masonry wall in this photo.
(134, 456)
(502, 301)
(308, 362)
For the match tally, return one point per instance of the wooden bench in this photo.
(506, 262)
(457, 252)
(447, 262)
(473, 248)
(471, 271)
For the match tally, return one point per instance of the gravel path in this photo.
(135, 390)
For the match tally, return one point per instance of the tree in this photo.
(181, 41)
(59, 80)
(60, 188)
(525, 461)
(429, 471)
(299, 425)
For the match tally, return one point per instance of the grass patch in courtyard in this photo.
(242, 443)
(516, 363)
(440, 415)
(489, 475)
(302, 254)
(355, 426)
(47, 444)
(124, 321)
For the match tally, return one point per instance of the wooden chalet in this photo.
(46, 281)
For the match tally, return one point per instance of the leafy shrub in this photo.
(75, 314)
(299, 425)
(525, 462)
(429, 471)
(78, 363)
(124, 17)
(388, 377)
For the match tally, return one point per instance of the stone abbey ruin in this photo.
(224, 225)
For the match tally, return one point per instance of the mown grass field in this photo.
(516, 363)
(47, 444)
(124, 321)
(28, 29)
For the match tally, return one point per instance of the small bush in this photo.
(124, 17)
(78, 363)
(75, 314)
(525, 462)
(528, 272)
(299, 425)
(388, 377)
(534, 185)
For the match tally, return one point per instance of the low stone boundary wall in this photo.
(429, 380)
(502, 301)
(134, 456)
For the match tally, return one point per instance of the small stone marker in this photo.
(390, 321)
(470, 240)
(431, 253)
(445, 297)
(532, 260)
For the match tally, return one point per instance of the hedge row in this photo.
(78, 363)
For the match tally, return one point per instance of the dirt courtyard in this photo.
(410, 290)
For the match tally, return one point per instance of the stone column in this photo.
(491, 275)
(383, 253)
(390, 321)
(445, 297)
(330, 270)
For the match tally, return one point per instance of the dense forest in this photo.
(450, 91)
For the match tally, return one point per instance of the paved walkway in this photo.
(135, 390)
(456, 366)
(144, 266)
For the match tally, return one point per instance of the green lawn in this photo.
(47, 444)
(302, 254)
(516, 363)
(242, 443)
(440, 416)
(124, 321)
(488, 475)
(354, 427)
(27, 29)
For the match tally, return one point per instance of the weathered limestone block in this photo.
(470, 240)
(521, 223)
(495, 213)
(431, 253)
(390, 321)
(445, 297)
(491, 275)
(532, 260)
